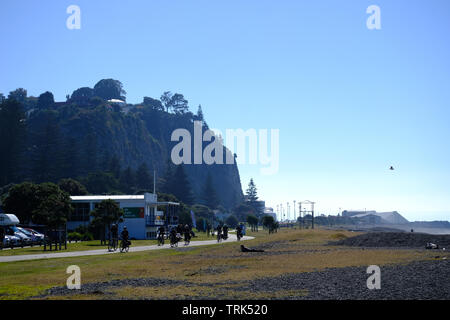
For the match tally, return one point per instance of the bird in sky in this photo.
(391, 168)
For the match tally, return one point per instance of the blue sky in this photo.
(349, 102)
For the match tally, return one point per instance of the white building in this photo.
(140, 213)
(269, 212)
(118, 102)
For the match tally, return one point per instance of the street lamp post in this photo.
(288, 210)
(294, 210)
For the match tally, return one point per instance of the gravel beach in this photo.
(394, 239)
(423, 280)
(417, 280)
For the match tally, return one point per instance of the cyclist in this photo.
(225, 232)
(161, 232)
(187, 234)
(239, 232)
(219, 233)
(125, 236)
(114, 235)
(173, 237)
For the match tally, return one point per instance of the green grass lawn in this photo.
(89, 245)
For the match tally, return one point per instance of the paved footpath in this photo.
(231, 238)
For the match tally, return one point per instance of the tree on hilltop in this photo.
(20, 94)
(109, 89)
(174, 102)
(155, 104)
(45, 100)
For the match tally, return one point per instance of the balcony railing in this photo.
(152, 221)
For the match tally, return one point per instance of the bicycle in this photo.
(124, 245)
(173, 241)
(187, 239)
(112, 245)
(160, 240)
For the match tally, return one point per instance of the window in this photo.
(81, 212)
(151, 235)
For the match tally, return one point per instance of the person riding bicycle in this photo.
(161, 232)
(239, 231)
(225, 232)
(125, 235)
(114, 230)
(187, 234)
(173, 236)
(219, 232)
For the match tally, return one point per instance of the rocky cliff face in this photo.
(142, 135)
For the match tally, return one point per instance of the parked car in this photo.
(5, 242)
(34, 239)
(24, 239)
(11, 241)
(38, 235)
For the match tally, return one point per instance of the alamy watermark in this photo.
(236, 143)
(374, 20)
(374, 280)
(74, 280)
(74, 20)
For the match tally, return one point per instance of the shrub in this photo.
(87, 236)
(74, 236)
